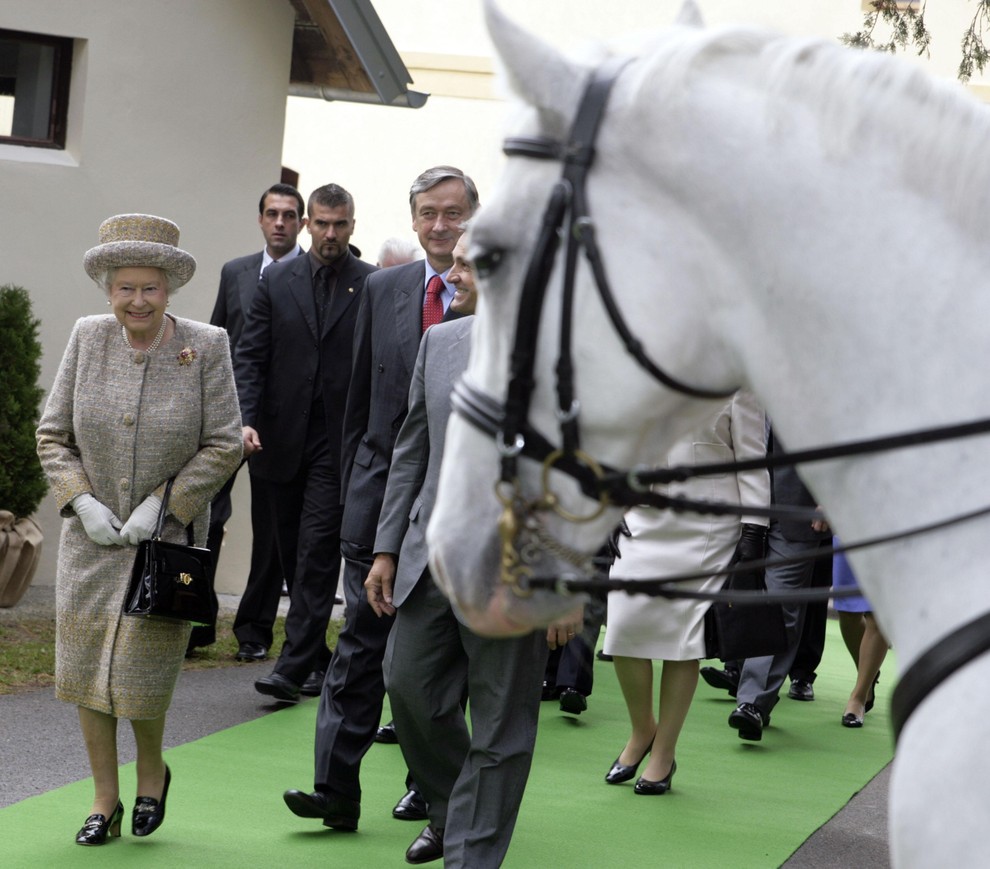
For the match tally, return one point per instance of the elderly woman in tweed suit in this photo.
(140, 396)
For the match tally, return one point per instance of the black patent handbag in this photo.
(734, 632)
(170, 580)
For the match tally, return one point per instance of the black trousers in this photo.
(306, 514)
(570, 665)
(259, 602)
(354, 689)
(811, 646)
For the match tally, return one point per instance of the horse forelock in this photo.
(864, 103)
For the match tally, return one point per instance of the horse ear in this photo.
(690, 15)
(537, 72)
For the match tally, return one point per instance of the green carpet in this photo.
(732, 804)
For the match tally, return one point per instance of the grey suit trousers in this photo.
(473, 782)
(760, 679)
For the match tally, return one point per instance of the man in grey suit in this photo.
(473, 781)
(280, 215)
(395, 305)
(293, 369)
(760, 679)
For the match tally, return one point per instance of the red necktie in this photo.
(433, 307)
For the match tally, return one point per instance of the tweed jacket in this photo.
(118, 423)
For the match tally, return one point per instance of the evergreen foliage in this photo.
(22, 481)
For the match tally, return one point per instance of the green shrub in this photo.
(22, 482)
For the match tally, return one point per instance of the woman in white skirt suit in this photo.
(642, 629)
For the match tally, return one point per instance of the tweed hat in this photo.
(141, 240)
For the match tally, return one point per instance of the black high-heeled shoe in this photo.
(620, 773)
(148, 812)
(99, 828)
(645, 787)
(873, 694)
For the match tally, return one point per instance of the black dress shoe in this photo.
(572, 701)
(748, 720)
(851, 720)
(726, 680)
(386, 734)
(251, 652)
(148, 812)
(338, 813)
(620, 773)
(277, 686)
(313, 684)
(600, 654)
(427, 846)
(98, 828)
(801, 689)
(648, 788)
(550, 692)
(412, 807)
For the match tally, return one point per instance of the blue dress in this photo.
(842, 577)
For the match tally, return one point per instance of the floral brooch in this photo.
(186, 356)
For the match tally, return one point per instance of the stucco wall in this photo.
(176, 109)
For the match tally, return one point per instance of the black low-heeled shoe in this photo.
(620, 773)
(645, 787)
(99, 828)
(851, 720)
(148, 812)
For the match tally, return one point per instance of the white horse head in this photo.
(793, 217)
(790, 216)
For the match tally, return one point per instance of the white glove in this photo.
(98, 520)
(140, 525)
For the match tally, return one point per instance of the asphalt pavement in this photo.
(213, 700)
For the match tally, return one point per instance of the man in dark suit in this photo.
(292, 370)
(397, 305)
(473, 780)
(280, 215)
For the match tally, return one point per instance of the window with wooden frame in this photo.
(34, 88)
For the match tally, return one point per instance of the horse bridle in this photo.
(566, 213)
(520, 528)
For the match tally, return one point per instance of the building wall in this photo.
(176, 109)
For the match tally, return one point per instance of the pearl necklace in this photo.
(154, 344)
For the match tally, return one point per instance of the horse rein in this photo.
(521, 531)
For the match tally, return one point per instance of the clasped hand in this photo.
(98, 520)
(140, 525)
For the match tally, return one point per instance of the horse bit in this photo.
(521, 532)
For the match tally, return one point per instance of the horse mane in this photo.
(865, 103)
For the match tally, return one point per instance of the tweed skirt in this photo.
(124, 666)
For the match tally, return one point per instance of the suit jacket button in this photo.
(381, 368)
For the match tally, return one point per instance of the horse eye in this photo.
(486, 262)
